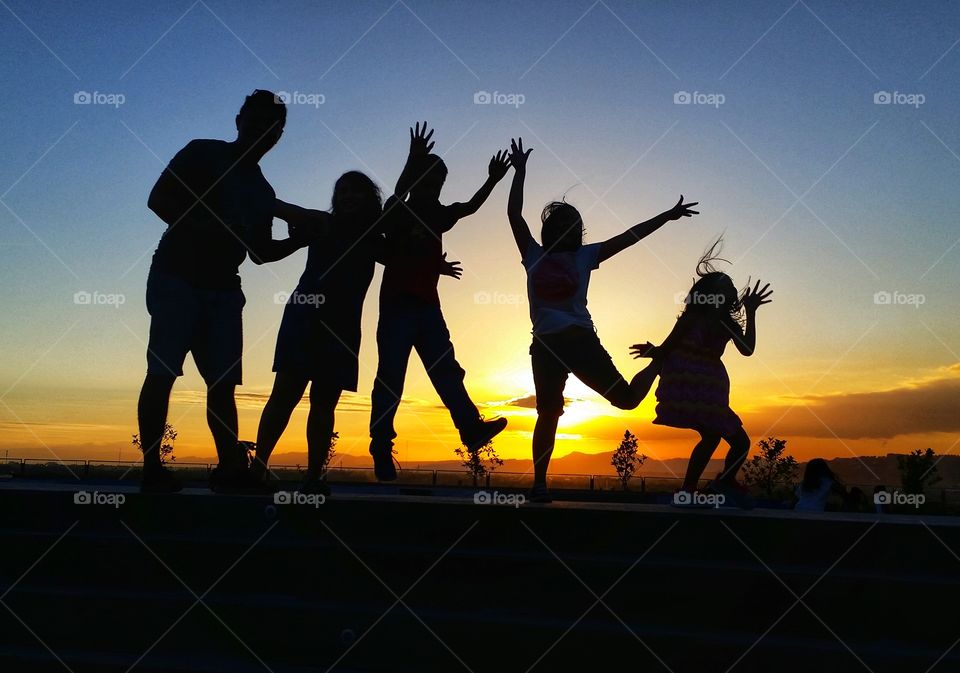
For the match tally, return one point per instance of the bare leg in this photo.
(699, 460)
(286, 394)
(152, 416)
(544, 436)
(739, 448)
(222, 419)
(641, 383)
(320, 422)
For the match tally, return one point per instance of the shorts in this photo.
(575, 350)
(188, 319)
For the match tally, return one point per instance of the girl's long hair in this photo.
(817, 470)
(373, 200)
(714, 293)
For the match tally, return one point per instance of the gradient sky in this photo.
(827, 195)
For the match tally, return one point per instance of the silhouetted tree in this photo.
(480, 462)
(331, 452)
(918, 469)
(166, 443)
(625, 459)
(772, 468)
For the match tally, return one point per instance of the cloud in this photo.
(527, 402)
(926, 406)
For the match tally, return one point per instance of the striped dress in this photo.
(694, 388)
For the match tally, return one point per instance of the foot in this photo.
(734, 493)
(539, 493)
(230, 479)
(482, 433)
(159, 480)
(383, 461)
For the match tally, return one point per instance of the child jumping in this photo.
(410, 317)
(564, 338)
(694, 388)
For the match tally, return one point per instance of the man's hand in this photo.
(420, 144)
(309, 225)
(518, 158)
(452, 269)
(647, 350)
(499, 164)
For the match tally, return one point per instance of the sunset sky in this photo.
(821, 139)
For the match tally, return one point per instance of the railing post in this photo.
(434, 478)
(23, 466)
(643, 484)
(591, 481)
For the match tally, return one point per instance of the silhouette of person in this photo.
(319, 338)
(694, 388)
(410, 314)
(564, 337)
(819, 483)
(218, 207)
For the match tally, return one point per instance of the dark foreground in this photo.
(375, 580)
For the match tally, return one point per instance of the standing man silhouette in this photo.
(218, 207)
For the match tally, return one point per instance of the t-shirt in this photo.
(414, 249)
(557, 286)
(206, 248)
(813, 501)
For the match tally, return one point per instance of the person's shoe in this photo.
(734, 493)
(383, 461)
(159, 480)
(539, 493)
(316, 487)
(482, 433)
(233, 479)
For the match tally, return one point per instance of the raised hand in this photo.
(682, 210)
(420, 144)
(452, 269)
(646, 350)
(756, 297)
(518, 157)
(498, 165)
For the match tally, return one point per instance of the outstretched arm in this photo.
(518, 159)
(648, 350)
(495, 172)
(612, 246)
(303, 226)
(420, 146)
(746, 341)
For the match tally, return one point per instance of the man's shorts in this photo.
(187, 319)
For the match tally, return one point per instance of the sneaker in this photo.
(483, 433)
(735, 493)
(229, 479)
(538, 493)
(383, 461)
(159, 480)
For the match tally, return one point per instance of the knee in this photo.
(158, 383)
(740, 443)
(221, 392)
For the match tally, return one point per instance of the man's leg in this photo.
(286, 394)
(222, 419)
(152, 418)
